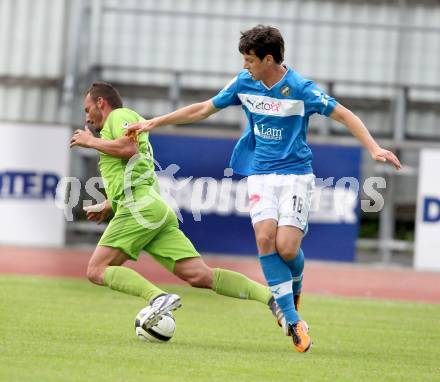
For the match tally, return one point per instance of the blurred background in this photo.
(379, 58)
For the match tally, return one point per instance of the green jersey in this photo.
(121, 175)
(143, 220)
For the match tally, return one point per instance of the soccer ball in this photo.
(163, 331)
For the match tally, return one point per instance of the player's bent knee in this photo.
(201, 279)
(95, 275)
(289, 252)
(195, 272)
(197, 282)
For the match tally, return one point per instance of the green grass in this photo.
(70, 330)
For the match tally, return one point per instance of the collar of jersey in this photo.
(281, 79)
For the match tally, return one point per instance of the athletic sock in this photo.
(234, 284)
(128, 281)
(296, 266)
(279, 279)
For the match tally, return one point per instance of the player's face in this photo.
(256, 67)
(93, 112)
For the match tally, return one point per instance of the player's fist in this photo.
(98, 212)
(82, 138)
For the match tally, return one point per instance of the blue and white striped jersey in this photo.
(275, 138)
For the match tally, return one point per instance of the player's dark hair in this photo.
(262, 40)
(107, 92)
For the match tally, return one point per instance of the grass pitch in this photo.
(70, 330)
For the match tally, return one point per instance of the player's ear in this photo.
(268, 59)
(100, 102)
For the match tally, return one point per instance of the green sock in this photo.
(233, 284)
(128, 281)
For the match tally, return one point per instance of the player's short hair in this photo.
(107, 92)
(262, 40)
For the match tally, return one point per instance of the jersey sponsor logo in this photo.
(266, 106)
(272, 106)
(322, 96)
(268, 132)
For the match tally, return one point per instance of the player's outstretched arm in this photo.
(358, 129)
(188, 114)
(123, 147)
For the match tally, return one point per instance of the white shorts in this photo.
(284, 198)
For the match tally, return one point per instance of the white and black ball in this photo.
(163, 331)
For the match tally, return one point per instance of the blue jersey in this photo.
(274, 141)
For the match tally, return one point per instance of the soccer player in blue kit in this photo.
(273, 153)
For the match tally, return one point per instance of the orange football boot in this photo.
(300, 336)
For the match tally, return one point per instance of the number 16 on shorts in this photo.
(298, 204)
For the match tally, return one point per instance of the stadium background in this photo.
(380, 58)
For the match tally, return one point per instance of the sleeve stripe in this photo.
(230, 83)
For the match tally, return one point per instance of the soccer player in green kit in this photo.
(142, 220)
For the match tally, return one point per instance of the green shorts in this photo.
(154, 229)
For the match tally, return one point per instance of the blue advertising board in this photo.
(212, 204)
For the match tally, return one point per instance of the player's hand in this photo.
(98, 212)
(383, 155)
(82, 138)
(140, 127)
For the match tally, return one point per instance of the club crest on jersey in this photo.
(285, 91)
